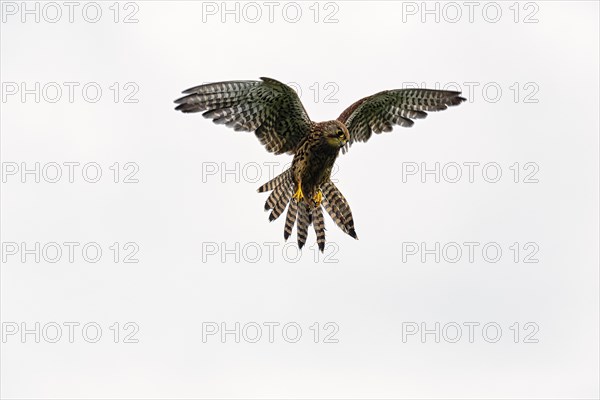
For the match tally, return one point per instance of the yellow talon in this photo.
(318, 197)
(298, 195)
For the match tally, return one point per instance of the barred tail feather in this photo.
(319, 225)
(281, 186)
(280, 198)
(278, 180)
(335, 214)
(304, 220)
(290, 218)
(338, 208)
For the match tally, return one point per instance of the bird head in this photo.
(335, 133)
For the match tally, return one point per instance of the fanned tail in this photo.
(302, 213)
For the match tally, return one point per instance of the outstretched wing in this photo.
(380, 112)
(268, 107)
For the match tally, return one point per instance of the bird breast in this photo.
(313, 163)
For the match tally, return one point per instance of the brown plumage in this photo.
(274, 112)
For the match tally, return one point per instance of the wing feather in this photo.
(380, 112)
(268, 107)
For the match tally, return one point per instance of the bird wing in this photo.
(380, 112)
(268, 107)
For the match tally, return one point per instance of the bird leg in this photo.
(317, 198)
(298, 195)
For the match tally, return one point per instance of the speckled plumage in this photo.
(274, 112)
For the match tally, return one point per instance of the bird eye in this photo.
(340, 133)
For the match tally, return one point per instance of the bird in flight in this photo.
(274, 112)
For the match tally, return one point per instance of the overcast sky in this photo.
(483, 215)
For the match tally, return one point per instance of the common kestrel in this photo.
(275, 113)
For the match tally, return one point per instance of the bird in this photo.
(274, 112)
